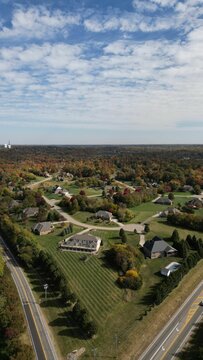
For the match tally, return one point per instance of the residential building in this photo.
(169, 211)
(195, 203)
(104, 215)
(157, 248)
(43, 228)
(163, 201)
(82, 242)
(31, 212)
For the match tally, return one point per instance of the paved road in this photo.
(173, 337)
(34, 184)
(69, 218)
(39, 332)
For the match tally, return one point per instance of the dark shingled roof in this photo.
(158, 245)
(42, 226)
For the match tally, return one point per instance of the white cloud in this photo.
(123, 84)
(152, 5)
(37, 22)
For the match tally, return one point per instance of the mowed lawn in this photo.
(91, 280)
(89, 191)
(115, 310)
(144, 211)
(161, 228)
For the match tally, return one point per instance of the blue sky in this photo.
(101, 71)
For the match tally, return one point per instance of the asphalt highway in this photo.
(175, 334)
(39, 332)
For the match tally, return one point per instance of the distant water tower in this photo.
(7, 146)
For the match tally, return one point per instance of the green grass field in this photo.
(75, 190)
(144, 211)
(115, 310)
(161, 228)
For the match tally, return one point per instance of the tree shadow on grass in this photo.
(60, 321)
(73, 332)
(148, 299)
(38, 288)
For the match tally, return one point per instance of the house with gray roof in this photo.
(43, 228)
(104, 215)
(82, 243)
(169, 211)
(30, 212)
(163, 201)
(157, 248)
(195, 203)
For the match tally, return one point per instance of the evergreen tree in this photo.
(175, 236)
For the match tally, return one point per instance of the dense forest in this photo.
(168, 167)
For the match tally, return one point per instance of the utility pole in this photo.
(45, 290)
(116, 345)
(94, 350)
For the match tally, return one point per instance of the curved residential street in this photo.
(38, 329)
(129, 227)
(176, 332)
